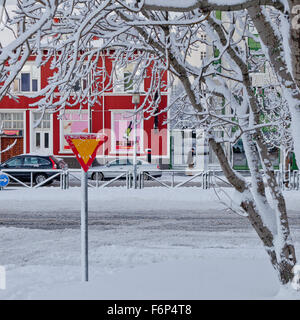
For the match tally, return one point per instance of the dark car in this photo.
(33, 162)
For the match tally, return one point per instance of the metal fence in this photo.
(287, 180)
(120, 174)
(63, 176)
(202, 177)
(55, 174)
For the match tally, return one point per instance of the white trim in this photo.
(119, 72)
(113, 138)
(22, 110)
(33, 130)
(61, 129)
(24, 131)
(24, 123)
(29, 64)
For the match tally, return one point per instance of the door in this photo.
(114, 166)
(29, 164)
(42, 141)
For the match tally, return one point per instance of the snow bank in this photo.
(214, 278)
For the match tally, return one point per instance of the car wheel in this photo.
(98, 176)
(39, 178)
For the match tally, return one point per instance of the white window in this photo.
(202, 54)
(203, 36)
(42, 120)
(28, 79)
(12, 120)
(123, 132)
(125, 81)
(80, 85)
(73, 121)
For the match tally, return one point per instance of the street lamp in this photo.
(135, 101)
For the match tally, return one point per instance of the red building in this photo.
(113, 113)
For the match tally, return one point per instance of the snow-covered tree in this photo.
(280, 41)
(172, 43)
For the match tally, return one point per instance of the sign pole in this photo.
(84, 226)
(85, 148)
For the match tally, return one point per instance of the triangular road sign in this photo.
(85, 147)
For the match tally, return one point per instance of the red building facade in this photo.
(112, 114)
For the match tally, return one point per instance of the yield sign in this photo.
(85, 147)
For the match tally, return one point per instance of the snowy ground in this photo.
(153, 243)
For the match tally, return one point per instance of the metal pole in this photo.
(134, 150)
(172, 185)
(84, 226)
(61, 180)
(68, 180)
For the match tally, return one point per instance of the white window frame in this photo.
(24, 136)
(118, 80)
(61, 130)
(113, 149)
(12, 120)
(33, 130)
(203, 36)
(35, 74)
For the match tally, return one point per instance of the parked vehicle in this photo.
(110, 170)
(29, 161)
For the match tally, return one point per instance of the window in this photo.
(44, 162)
(31, 161)
(73, 122)
(203, 36)
(27, 80)
(12, 122)
(37, 139)
(80, 85)
(119, 162)
(217, 62)
(46, 140)
(254, 45)
(16, 162)
(239, 157)
(124, 81)
(219, 15)
(123, 129)
(43, 123)
(257, 64)
(202, 54)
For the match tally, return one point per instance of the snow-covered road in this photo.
(135, 236)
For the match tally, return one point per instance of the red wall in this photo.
(110, 101)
